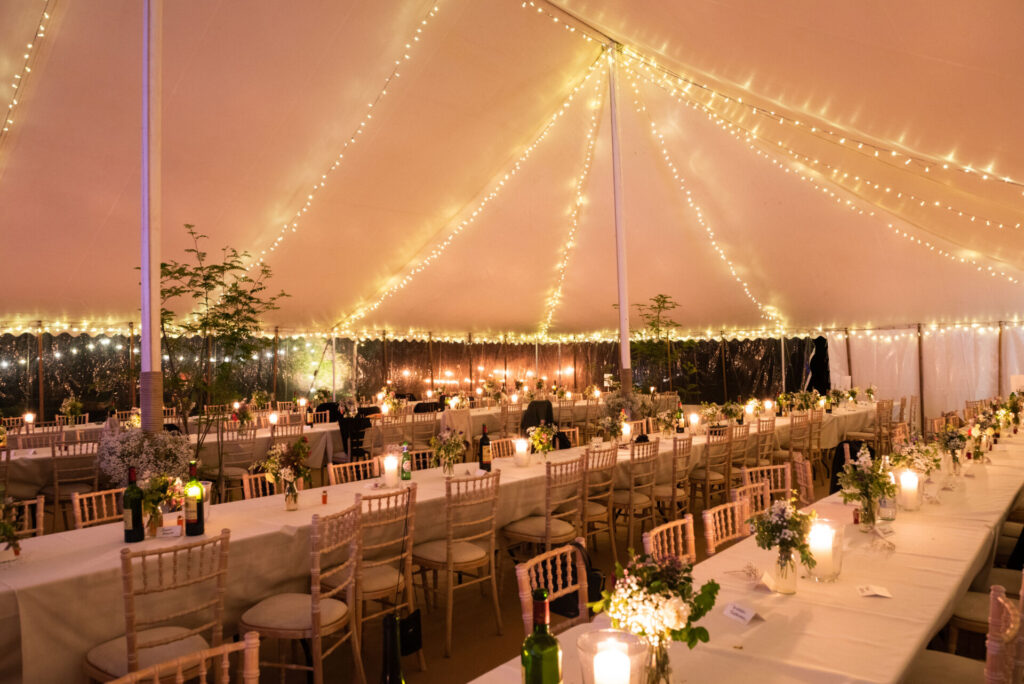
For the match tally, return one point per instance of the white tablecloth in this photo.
(827, 632)
(66, 589)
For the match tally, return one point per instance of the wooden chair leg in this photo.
(494, 601)
(449, 608)
(954, 637)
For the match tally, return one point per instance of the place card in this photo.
(169, 531)
(768, 581)
(885, 530)
(741, 613)
(866, 590)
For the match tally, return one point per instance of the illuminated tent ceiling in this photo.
(859, 166)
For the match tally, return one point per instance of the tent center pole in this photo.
(849, 358)
(39, 368)
(273, 383)
(334, 367)
(625, 366)
(920, 372)
(999, 362)
(151, 378)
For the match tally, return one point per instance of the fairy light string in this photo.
(21, 76)
(409, 46)
(768, 312)
(417, 266)
(754, 143)
(555, 298)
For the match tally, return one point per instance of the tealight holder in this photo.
(826, 543)
(610, 656)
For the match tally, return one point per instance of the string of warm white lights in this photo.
(413, 269)
(824, 130)
(18, 83)
(768, 312)
(293, 225)
(752, 142)
(839, 176)
(555, 297)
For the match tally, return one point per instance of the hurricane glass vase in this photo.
(660, 670)
(785, 575)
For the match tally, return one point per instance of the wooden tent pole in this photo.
(849, 357)
(334, 367)
(920, 372)
(504, 355)
(355, 368)
(150, 375)
(131, 364)
(625, 365)
(725, 386)
(470, 351)
(39, 353)
(430, 359)
(782, 352)
(574, 349)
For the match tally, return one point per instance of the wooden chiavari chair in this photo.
(674, 538)
(757, 494)
(739, 438)
(27, 516)
(421, 459)
(97, 508)
(466, 556)
(216, 661)
(321, 417)
(257, 485)
(713, 474)
(329, 609)
(778, 477)
(767, 444)
(190, 581)
(284, 406)
(561, 521)
(504, 447)
(804, 480)
(511, 417)
(75, 469)
(421, 427)
(566, 409)
(549, 571)
(672, 498)
(366, 469)
(285, 433)
(68, 421)
(18, 491)
(573, 435)
(725, 523)
(598, 486)
(636, 504)
(34, 440)
(236, 449)
(934, 427)
(13, 424)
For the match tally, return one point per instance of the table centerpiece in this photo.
(866, 480)
(449, 449)
(785, 527)
(284, 465)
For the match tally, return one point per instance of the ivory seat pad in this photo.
(112, 656)
(437, 552)
(293, 612)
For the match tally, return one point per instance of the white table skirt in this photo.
(827, 632)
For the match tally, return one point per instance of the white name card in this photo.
(885, 530)
(169, 531)
(741, 613)
(768, 581)
(873, 590)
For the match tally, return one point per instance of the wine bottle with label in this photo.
(406, 462)
(542, 654)
(134, 530)
(391, 665)
(485, 451)
(194, 525)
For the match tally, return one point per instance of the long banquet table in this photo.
(828, 632)
(63, 595)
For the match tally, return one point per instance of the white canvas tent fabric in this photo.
(858, 166)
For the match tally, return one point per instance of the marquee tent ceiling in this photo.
(259, 99)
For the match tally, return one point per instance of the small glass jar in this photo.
(619, 656)
(887, 509)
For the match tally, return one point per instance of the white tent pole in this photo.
(150, 376)
(625, 367)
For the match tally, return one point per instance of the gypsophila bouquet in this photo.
(916, 456)
(784, 400)
(134, 419)
(611, 426)
(708, 412)
(161, 452)
(449, 448)
(731, 410)
(654, 598)
(806, 401)
(393, 403)
(560, 392)
(542, 438)
(71, 407)
(785, 527)
(668, 421)
(243, 414)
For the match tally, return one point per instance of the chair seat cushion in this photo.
(381, 578)
(1004, 547)
(935, 667)
(620, 497)
(973, 607)
(437, 552)
(230, 472)
(664, 491)
(292, 612)
(66, 490)
(860, 436)
(22, 491)
(112, 656)
(713, 475)
(1012, 529)
(593, 510)
(533, 526)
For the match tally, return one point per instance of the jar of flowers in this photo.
(3, 436)
(160, 494)
(542, 438)
(71, 408)
(785, 527)
(285, 466)
(449, 448)
(952, 441)
(9, 530)
(654, 598)
(866, 480)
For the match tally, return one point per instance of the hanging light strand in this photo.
(555, 298)
(838, 175)
(21, 77)
(768, 312)
(794, 168)
(415, 267)
(294, 224)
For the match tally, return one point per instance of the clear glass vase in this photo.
(785, 575)
(868, 514)
(660, 670)
(291, 498)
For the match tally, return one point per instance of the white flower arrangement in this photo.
(918, 457)
(449, 449)
(157, 454)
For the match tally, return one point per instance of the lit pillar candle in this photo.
(910, 490)
(597, 394)
(390, 470)
(380, 396)
(29, 418)
(453, 402)
(272, 418)
(522, 457)
(568, 395)
(236, 406)
(479, 391)
(749, 409)
(627, 430)
(820, 540)
(515, 398)
(302, 402)
(694, 421)
(430, 393)
(611, 663)
(768, 405)
(821, 403)
(385, 409)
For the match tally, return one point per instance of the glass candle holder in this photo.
(910, 490)
(609, 656)
(887, 509)
(826, 542)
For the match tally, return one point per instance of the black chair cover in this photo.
(538, 410)
(334, 412)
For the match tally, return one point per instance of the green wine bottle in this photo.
(134, 531)
(542, 654)
(194, 524)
